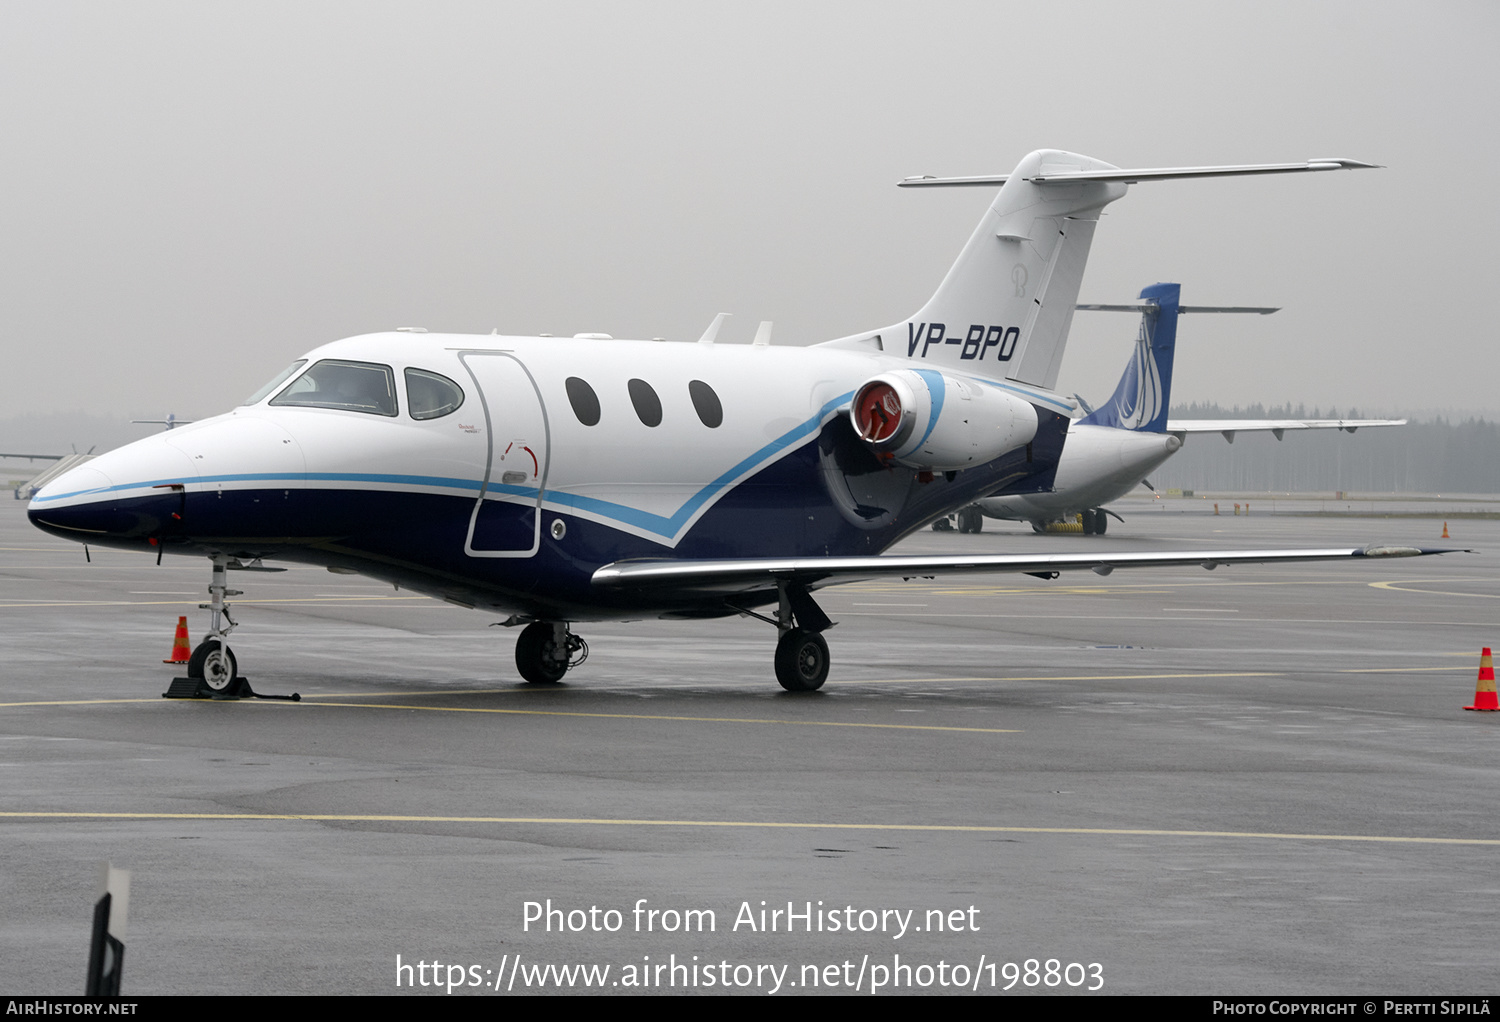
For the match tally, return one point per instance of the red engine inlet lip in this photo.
(877, 412)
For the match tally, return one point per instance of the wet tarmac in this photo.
(1255, 780)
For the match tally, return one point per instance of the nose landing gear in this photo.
(212, 662)
(212, 669)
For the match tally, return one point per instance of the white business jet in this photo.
(1112, 450)
(565, 480)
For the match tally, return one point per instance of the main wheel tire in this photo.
(801, 660)
(1101, 521)
(1087, 518)
(942, 525)
(971, 520)
(535, 655)
(213, 663)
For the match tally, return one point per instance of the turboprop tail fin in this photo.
(1141, 398)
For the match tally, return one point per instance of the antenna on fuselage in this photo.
(713, 328)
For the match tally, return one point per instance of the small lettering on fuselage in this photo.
(976, 341)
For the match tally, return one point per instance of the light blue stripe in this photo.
(938, 389)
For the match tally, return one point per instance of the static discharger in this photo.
(1484, 690)
(182, 650)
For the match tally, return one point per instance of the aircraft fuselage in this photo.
(564, 454)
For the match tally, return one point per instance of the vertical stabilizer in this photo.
(1004, 309)
(1140, 400)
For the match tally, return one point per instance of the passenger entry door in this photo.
(507, 517)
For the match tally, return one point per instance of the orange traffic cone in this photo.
(181, 651)
(1484, 691)
(1445, 532)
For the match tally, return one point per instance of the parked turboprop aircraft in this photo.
(1112, 450)
(566, 480)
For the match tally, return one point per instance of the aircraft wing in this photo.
(1229, 427)
(750, 574)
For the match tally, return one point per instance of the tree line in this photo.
(1437, 456)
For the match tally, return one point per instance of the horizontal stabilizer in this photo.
(1131, 177)
(1137, 307)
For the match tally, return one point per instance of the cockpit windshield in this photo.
(350, 386)
(281, 378)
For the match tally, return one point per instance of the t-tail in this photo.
(1140, 400)
(1004, 309)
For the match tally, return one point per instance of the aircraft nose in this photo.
(126, 494)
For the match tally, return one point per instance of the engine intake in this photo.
(925, 419)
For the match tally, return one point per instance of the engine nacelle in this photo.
(925, 419)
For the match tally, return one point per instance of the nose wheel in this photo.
(213, 663)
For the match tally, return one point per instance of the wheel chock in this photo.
(1484, 690)
(239, 688)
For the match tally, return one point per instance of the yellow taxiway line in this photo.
(955, 828)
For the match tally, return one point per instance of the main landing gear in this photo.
(970, 519)
(801, 660)
(1095, 521)
(546, 650)
(801, 652)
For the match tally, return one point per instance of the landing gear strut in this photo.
(801, 652)
(546, 650)
(212, 662)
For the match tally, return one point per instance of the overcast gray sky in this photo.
(194, 194)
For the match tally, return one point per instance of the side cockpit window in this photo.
(348, 386)
(281, 377)
(430, 396)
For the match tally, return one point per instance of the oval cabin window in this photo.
(584, 401)
(647, 404)
(706, 403)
